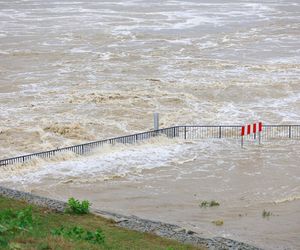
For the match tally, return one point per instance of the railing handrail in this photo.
(84, 144)
(48, 153)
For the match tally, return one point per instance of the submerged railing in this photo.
(183, 132)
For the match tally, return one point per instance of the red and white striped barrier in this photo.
(251, 129)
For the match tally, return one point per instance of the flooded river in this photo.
(76, 71)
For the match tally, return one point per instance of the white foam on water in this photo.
(191, 19)
(259, 7)
(106, 161)
(207, 45)
(80, 50)
(184, 41)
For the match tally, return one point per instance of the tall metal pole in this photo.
(156, 121)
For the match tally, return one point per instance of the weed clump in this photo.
(76, 207)
(266, 214)
(78, 233)
(218, 222)
(212, 203)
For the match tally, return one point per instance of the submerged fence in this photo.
(184, 132)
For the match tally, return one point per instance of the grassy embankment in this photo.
(39, 228)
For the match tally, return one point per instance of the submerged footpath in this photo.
(165, 230)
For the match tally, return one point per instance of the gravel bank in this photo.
(132, 222)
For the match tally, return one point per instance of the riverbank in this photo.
(168, 231)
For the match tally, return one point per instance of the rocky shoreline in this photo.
(135, 223)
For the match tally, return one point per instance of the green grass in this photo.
(22, 227)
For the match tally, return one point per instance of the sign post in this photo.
(156, 121)
(248, 129)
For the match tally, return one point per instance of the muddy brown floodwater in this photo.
(76, 71)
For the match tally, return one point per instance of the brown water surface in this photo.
(75, 71)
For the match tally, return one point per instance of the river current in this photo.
(77, 71)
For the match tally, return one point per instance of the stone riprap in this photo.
(165, 230)
(52, 204)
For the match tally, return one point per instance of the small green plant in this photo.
(78, 233)
(212, 203)
(204, 204)
(218, 222)
(266, 214)
(76, 207)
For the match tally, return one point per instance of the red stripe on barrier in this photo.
(254, 128)
(248, 129)
(260, 126)
(243, 131)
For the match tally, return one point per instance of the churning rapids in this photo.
(75, 71)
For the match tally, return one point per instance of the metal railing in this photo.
(206, 132)
(184, 132)
(281, 132)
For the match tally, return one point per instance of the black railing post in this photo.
(220, 132)
(185, 132)
(290, 131)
